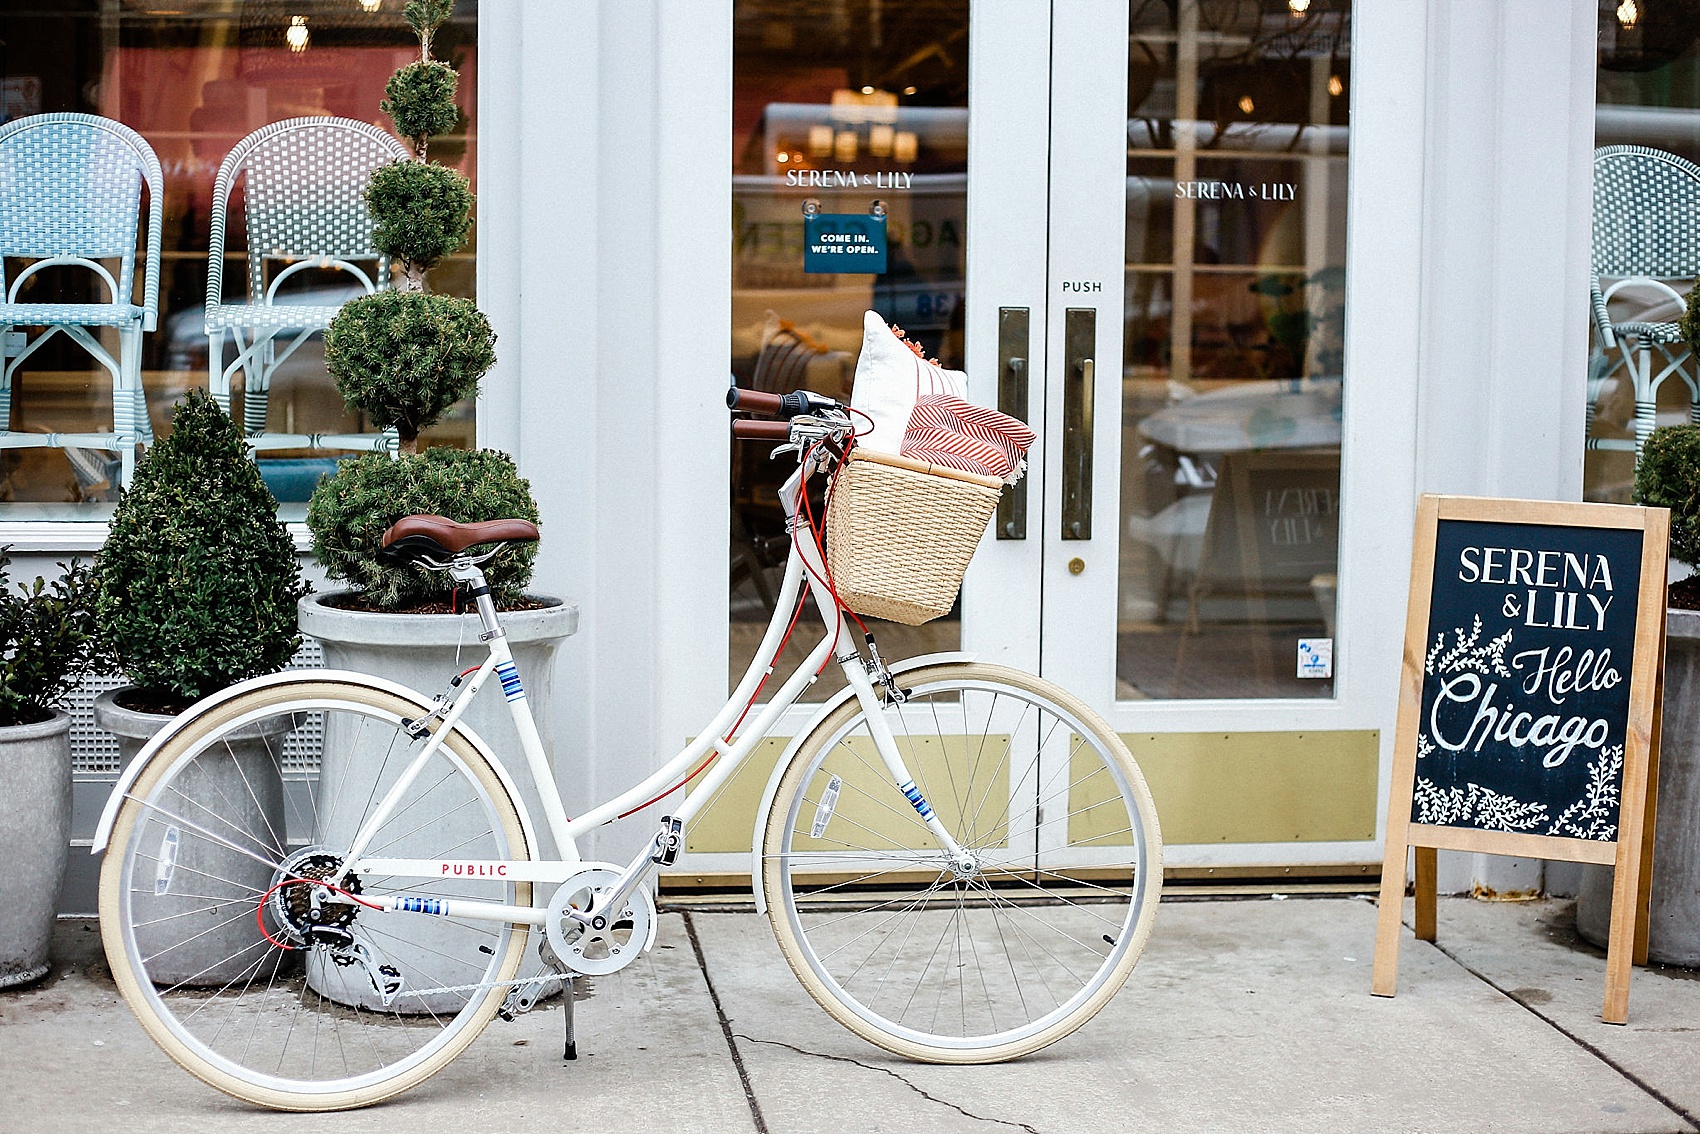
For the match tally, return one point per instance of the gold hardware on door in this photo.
(1076, 565)
(1012, 399)
(1080, 336)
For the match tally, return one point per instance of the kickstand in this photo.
(569, 988)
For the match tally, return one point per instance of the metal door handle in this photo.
(1080, 334)
(1012, 399)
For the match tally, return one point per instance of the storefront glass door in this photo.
(1135, 220)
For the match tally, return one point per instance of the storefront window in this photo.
(193, 77)
(875, 94)
(1235, 294)
(1647, 93)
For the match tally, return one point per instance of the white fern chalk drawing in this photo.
(1476, 807)
(1592, 816)
(1465, 654)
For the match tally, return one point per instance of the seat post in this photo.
(479, 588)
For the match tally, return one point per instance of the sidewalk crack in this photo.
(756, 1116)
(876, 1067)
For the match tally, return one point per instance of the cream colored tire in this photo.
(919, 956)
(292, 1029)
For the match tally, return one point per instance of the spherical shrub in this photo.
(421, 99)
(423, 211)
(198, 579)
(350, 511)
(1668, 476)
(405, 356)
(1689, 322)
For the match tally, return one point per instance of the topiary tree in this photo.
(350, 511)
(409, 356)
(404, 357)
(48, 641)
(1668, 476)
(1688, 323)
(198, 579)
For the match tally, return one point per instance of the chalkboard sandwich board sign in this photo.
(1528, 704)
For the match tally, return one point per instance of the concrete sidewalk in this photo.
(1243, 1015)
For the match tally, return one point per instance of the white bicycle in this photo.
(961, 862)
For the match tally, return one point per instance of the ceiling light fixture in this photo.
(297, 35)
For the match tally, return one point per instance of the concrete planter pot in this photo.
(419, 651)
(35, 832)
(1673, 932)
(211, 932)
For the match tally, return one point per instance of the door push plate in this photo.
(1080, 338)
(1012, 399)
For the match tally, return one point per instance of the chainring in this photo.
(586, 949)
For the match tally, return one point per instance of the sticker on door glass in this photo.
(1316, 657)
(844, 243)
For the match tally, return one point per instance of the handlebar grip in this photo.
(754, 401)
(761, 430)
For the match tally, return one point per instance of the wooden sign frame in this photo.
(1631, 853)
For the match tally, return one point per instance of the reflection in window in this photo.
(1235, 294)
(1647, 93)
(193, 79)
(877, 95)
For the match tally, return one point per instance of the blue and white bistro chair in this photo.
(303, 183)
(71, 194)
(1646, 237)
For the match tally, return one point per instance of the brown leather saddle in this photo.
(413, 539)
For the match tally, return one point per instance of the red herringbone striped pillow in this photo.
(948, 431)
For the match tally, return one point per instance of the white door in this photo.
(1209, 547)
(1128, 222)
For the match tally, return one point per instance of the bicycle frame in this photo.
(803, 565)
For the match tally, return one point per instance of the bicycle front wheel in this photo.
(968, 960)
(224, 931)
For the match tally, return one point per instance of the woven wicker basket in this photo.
(900, 533)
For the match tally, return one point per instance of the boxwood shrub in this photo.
(350, 511)
(198, 580)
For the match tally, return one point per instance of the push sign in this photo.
(843, 243)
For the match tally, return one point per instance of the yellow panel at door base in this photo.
(971, 794)
(868, 802)
(1261, 787)
(1096, 815)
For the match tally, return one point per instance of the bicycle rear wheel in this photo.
(950, 962)
(231, 948)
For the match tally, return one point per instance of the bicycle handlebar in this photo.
(790, 405)
(754, 401)
(761, 430)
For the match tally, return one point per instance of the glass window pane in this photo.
(1236, 222)
(1647, 93)
(193, 78)
(877, 94)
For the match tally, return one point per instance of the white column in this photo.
(603, 263)
(1506, 225)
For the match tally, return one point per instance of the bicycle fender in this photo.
(772, 789)
(109, 814)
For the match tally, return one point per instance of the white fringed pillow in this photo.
(890, 379)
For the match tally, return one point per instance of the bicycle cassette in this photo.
(614, 938)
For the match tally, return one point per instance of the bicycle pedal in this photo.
(523, 997)
(668, 841)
